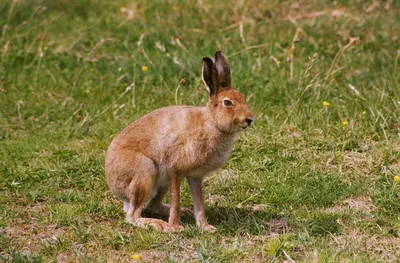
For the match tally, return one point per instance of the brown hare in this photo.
(154, 153)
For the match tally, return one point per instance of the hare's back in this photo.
(161, 129)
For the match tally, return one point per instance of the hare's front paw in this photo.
(208, 228)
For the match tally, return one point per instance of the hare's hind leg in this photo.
(138, 192)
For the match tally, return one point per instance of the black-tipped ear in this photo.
(209, 76)
(223, 69)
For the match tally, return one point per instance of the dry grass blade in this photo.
(98, 45)
(296, 38)
(141, 50)
(177, 89)
(351, 42)
(247, 49)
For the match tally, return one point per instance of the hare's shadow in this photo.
(235, 220)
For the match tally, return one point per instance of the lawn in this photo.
(314, 180)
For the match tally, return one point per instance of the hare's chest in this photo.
(211, 162)
(219, 158)
(196, 157)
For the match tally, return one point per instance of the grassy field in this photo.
(312, 181)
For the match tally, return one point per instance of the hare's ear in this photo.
(223, 69)
(209, 75)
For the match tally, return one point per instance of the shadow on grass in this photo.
(233, 221)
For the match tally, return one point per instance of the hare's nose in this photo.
(249, 120)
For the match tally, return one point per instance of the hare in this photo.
(154, 153)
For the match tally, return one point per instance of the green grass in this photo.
(298, 185)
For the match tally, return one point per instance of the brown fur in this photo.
(153, 154)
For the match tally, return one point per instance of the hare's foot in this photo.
(208, 228)
(174, 228)
(157, 224)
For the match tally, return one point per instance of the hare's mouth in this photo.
(247, 124)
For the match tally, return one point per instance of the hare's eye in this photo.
(228, 103)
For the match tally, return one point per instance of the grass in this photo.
(300, 186)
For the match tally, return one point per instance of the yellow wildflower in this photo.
(397, 179)
(136, 257)
(145, 68)
(325, 104)
(345, 123)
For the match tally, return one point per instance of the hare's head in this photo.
(228, 106)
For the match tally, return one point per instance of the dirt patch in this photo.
(361, 163)
(290, 131)
(396, 147)
(366, 157)
(359, 204)
(278, 225)
(385, 248)
(29, 238)
(185, 253)
(395, 167)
